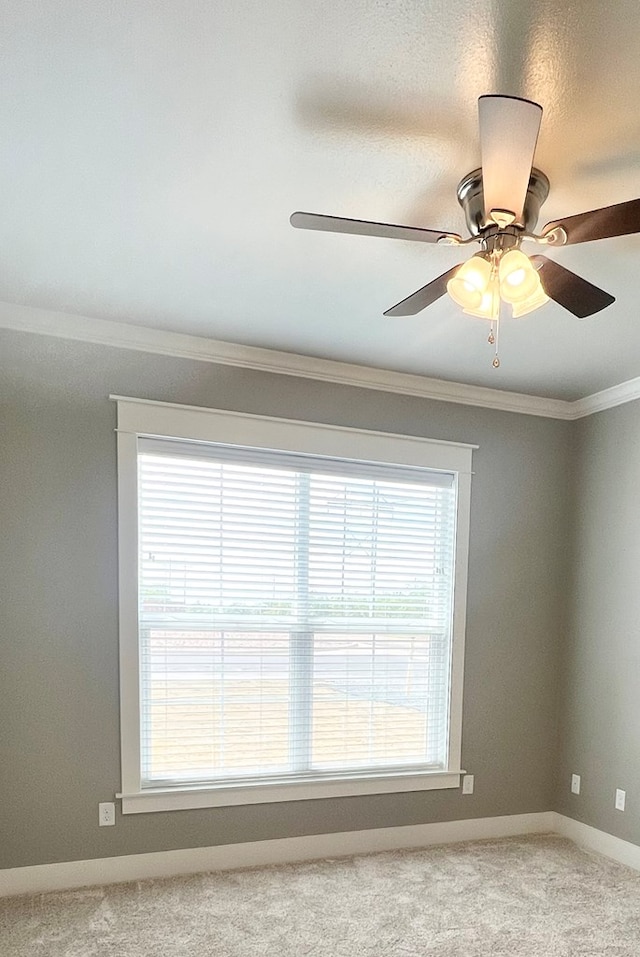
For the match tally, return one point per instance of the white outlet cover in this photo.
(106, 814)
(621, 797)
(575, 784)
(467, 784)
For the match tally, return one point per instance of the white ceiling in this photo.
(152, 151)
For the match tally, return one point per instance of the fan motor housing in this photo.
(471, 198)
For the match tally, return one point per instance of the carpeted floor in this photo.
(518, 897)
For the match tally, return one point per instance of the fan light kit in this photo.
(501, 203)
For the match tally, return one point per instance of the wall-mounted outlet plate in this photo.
(575, 784)
(106, 814)
(621, 797)
(467, 784)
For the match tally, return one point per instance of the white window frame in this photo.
(147, 418)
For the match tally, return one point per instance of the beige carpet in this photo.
(519, 897)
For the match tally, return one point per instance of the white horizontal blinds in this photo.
(217, 565)
(294, 621)
(380, 573)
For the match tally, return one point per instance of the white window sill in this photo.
(175, 799)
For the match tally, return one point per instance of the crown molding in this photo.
(179, 345)
(607, 399)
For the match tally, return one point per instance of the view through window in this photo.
(295, 615)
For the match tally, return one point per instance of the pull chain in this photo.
(494, 333)
(496, 360)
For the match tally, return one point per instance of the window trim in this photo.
(149, 419)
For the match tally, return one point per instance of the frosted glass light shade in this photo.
(539, 298)
(518, 277)
(470, 283)
(489, 307)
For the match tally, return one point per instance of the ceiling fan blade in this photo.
(573, 292)
(509, 129)
(362, 227)
(618, 220)
(419, 300)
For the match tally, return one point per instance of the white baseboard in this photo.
(592, 839)
(111, 870)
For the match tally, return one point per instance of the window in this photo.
(291, 616)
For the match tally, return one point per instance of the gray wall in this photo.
(59, 675)
(600, 731)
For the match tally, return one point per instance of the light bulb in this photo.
(470, 283)
(489, 307)
(518, 277)
(534, 301)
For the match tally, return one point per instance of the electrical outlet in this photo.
(106, 814)
(621, 797)
(575, 784)
(467, 784)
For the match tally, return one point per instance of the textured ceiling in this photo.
(151, 154)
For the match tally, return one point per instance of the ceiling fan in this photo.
(501, 203)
